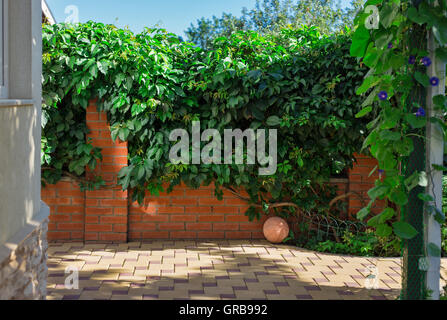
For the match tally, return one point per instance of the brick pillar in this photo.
(106, 210)
(66, 202)
(361, 183)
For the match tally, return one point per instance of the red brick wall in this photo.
(106, 210)
(67, 207)
(192, 214)
(360, 182)
(107, 215)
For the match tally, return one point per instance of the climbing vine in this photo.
(393, 44)
(298, 82)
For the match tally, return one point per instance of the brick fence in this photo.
(108, 215)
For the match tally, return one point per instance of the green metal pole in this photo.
(413, 278)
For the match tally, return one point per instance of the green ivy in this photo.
(298, 82)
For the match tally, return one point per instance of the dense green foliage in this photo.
(395, 50)
(361, 244)
(298, 82)
(270, 16)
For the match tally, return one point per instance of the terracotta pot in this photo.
(276, 229)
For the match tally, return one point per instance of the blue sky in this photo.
(173, 15)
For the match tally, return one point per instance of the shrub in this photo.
(361, 244)
(298, 82)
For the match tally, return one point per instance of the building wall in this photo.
(109, 215)
(20, 115)
(23, 216)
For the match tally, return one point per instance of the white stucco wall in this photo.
(20, 115)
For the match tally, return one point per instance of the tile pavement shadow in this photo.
(184, 270)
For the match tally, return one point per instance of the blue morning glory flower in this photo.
(390, 45)
(426, 61)
(383, 95)
(434, 81)
(420, 112)
(381, 171)
(412, 60)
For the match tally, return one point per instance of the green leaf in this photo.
(383, 40)
(360, 41)
(384, 230)
(439, 167)
(414, 16)
(374, 221)
(404, 230)
(364, 112)
(378, 192)
(425, 197)
(119, 79)
(233, 102)
(416, 122)
(440, 30)
(412, 181)
(387, 14)
(363, 213)
(390, 135)
(399, 197)
(273, 121)
(367, 84)
(439, 216)
(372, 56)
(441, 53)
(140, 173)
(386, 215)
(422, 78)
(138, 108)
(103, 66)
(433, 250)
(123, 134)
(440, 102)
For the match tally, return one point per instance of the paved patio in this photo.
(248, 270)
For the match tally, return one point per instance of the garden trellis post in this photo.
(421, 258)
(434, 156)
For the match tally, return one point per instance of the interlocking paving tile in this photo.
(271, 291)
(345, 293)
(210, 284)
(166, 288)
(280, 284)
(240, 288)
(181, 281)
(228, 269)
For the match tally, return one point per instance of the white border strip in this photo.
(47, 13)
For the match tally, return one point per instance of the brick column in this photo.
(361, 183)
(66, 202)
(106, 210)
